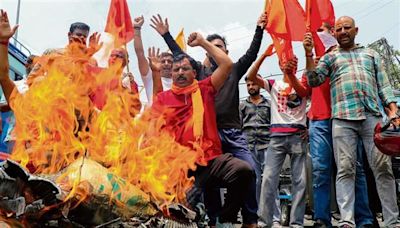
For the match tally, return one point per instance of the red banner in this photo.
(119, 22)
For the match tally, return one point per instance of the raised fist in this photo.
(138, 22)
(308, 42)
(195, 39)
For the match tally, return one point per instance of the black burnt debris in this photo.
(28, 200)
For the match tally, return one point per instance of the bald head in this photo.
(118, 55)
(346, 18)
(345, 32)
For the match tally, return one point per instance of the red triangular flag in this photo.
(319, 11)
(119, 23)
(295, 19)
(326, 11)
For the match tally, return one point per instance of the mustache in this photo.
(181, 77)
(79, 40)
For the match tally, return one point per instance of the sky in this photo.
(45, 23)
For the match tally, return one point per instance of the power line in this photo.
(272, 75)
(388, 31)
(368, 7)
(374, 10)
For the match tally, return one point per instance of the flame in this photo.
(57, 124)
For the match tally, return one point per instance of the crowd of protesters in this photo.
(245, 144)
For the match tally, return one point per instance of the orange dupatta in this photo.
(197, 103)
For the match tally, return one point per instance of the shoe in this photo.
(276, 224)
(320, 224)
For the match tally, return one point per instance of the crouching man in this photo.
(191, 118)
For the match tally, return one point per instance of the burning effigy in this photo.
(104, 164)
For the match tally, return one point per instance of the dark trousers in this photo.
(234, 142)
(228, 172)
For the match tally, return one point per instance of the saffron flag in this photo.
(180, 40)
(286, 19)
(283, 49)
(317, 12)
(286, 23)
(119, 23)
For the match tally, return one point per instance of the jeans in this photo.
(5, 125)
(362, 212)
(279, 147)
(322, 161)
(234, 142)
(346, 135)
(260, 156)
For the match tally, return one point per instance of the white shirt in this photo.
(148, 85)
(287, 111)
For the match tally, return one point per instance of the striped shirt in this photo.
(357, 77)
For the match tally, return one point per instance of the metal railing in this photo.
(18, 50)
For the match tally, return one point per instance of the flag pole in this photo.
(126, 58)
(308, 15)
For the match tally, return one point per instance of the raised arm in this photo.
(6, 32)
(252, 74)
(290, 70)
(94, 44)
(224, 62)
(314, 78)
(155, 66)
(162, 27)
(138, 44)
(244, 63)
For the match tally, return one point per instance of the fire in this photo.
(58, 126)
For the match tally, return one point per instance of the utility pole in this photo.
(17, 22)
(388, 56)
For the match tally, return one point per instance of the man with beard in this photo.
(321, 148)
(356, 77)
(287, 132)
(255, 114)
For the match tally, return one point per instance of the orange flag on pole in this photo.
(119, 23)
(286, 19)
(180, 40)
(317, 12)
